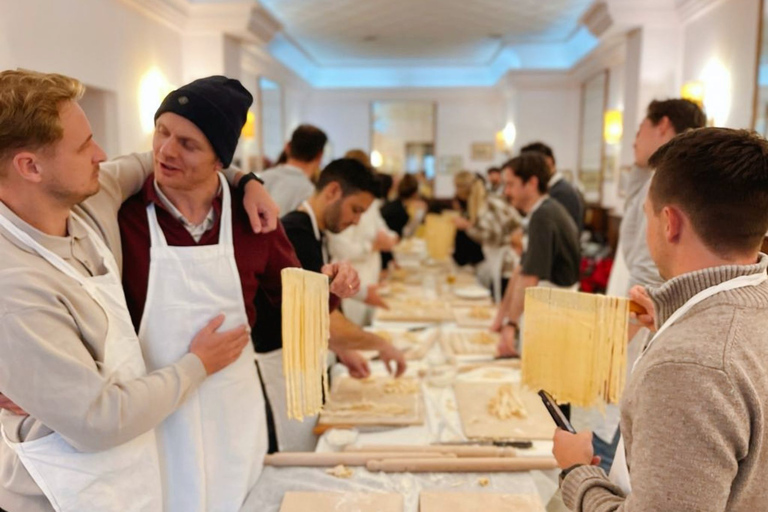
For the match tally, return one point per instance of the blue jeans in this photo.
(606, 451)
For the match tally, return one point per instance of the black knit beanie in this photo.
(217, 105)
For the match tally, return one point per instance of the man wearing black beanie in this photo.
(189, 255)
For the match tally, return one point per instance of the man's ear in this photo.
(665, 127)
(27, 165)
(674, 219)
(332, 192)
(533, 181)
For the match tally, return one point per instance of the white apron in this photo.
(212, 448)
(123, 478)
(619, 474)
(292, 435)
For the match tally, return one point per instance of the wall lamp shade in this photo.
(613, 126)
(505, 139)
(153, 88)
(249, 128)
(377, 160)
(693, 91)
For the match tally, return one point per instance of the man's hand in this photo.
(6, 403)
(355, 363)
(372, 297)
(262, 210)
(572, 449)
(218, 350)
(384, 241)
(507, 344)
(638, 294)
(461, 223)
(388, 354)
(345, 282)
(498, 321)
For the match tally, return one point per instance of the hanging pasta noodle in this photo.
(305, 340)
(575, 345)
(439, 232)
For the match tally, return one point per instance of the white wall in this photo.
(727, 33)
(464, 116)
(84, 39)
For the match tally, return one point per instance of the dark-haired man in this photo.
(345, 189)
(550, 246)
(663, 121)
(693, 414)
(559, 188)
(494, 184)
(291, 183)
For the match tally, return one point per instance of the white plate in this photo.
(472, 292)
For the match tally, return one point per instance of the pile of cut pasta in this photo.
(306, 324)
(574, 345)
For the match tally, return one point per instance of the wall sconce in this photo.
(717, 88)
(153, 88)
(376, 159)
(249, 128)
(693, 91)
(613, 126)
(505, 139)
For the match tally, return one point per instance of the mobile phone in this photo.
(556, 413)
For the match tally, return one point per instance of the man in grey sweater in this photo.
(663, 120)
(693, 417)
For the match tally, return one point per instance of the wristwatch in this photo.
(512, 323)
(248, 177)
(565, 472)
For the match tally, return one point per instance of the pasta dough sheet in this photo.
(480, 317)
(478, 422)
(295, 501)
(379, 400)
(415, 310)
(436, 501)
(306, 325)
(574, 345)
(471, 342)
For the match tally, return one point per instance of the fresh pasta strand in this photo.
(575, 345)
(306, 329)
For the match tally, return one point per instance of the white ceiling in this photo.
(433, 32)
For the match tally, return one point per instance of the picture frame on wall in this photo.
(448, 165)
(482, 151)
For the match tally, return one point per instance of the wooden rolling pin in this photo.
(331, 459)
(459, 451)
(462, 465)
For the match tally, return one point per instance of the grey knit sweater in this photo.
(694, 416)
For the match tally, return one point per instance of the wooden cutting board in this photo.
(462, 342)
(347, 391)
(474, 501)
(480, 317)
(415, 310)
(294, 501)
(472, 400)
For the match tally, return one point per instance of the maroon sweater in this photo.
(259, 257)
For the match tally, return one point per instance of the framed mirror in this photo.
(403, 136)
(594, 96)
(271, 113)
(760, 112)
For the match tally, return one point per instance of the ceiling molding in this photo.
(171, 13)
(597, 19)
(689, 10)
